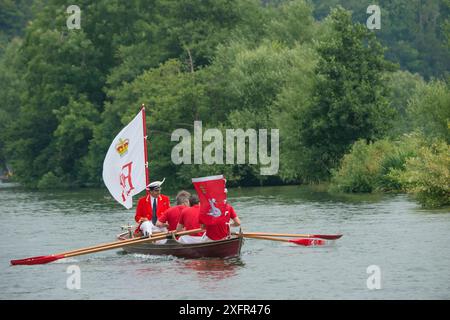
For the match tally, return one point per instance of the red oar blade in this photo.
(37, 260)
(308, 242)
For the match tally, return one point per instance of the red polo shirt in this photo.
(172, 216)
(220, 230)
(189, 219)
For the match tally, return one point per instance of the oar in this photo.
(66, 254)
(111, 243)
(319, 236)
(300, 241)
(103, 247)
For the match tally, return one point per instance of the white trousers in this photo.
(148, 228)
(191, 239)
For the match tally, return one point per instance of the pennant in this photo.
(124, 164)
(213, 197)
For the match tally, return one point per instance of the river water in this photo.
(391, 249)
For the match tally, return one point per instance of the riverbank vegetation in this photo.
(368, 110)
(416, 157)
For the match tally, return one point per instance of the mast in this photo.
(145, 150)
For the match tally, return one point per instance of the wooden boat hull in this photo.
(214, 249)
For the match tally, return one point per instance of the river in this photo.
(391, 249)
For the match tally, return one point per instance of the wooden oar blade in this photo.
(327, 236)
(37, 260)
(270, 234)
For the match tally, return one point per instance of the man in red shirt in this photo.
(169, 218)
(150, 207)
(220, 231)
(189, 220)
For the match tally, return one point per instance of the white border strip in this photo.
(210, 178)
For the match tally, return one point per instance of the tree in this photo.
(173, 99)
(414, 31)
(13, 18)
(287, 112)
(12, 84)
(429, 110)
(427, 174)
(292, 23)
(59, 65)
(403, 86)
(350, 97)
(193, 29)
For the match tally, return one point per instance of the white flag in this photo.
(124, 164)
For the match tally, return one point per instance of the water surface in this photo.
(409, 245)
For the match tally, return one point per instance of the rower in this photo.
(189, 221)
(149, 208)
(215, 212)
(169, 218)
(220, 231)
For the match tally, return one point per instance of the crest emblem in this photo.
(215, 212)
(122, 147)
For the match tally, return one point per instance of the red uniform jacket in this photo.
(144, 207)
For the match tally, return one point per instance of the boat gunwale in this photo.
(225, 248)
(175, 245)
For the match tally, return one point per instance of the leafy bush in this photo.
(367, 167)
(410, 164)
(49, 181)
(361, 168)
(427, 175)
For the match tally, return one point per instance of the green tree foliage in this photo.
(11, 86)
(68, 75)
(187, 30)
(50, 181)
(244, 87)
(251, 78)
(287, 113)
(14, 15)
(429, 109)
(76, 122)
(446, 25)
(231, 64)
(412, 164)
(427, 175)
(368, 167)
(415, 32)
(58, 68)
(173, 99)
(403, 86)
(350, 96)
(292, 23)
(194, 29)
(361, 168)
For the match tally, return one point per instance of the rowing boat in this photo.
(230, 247)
